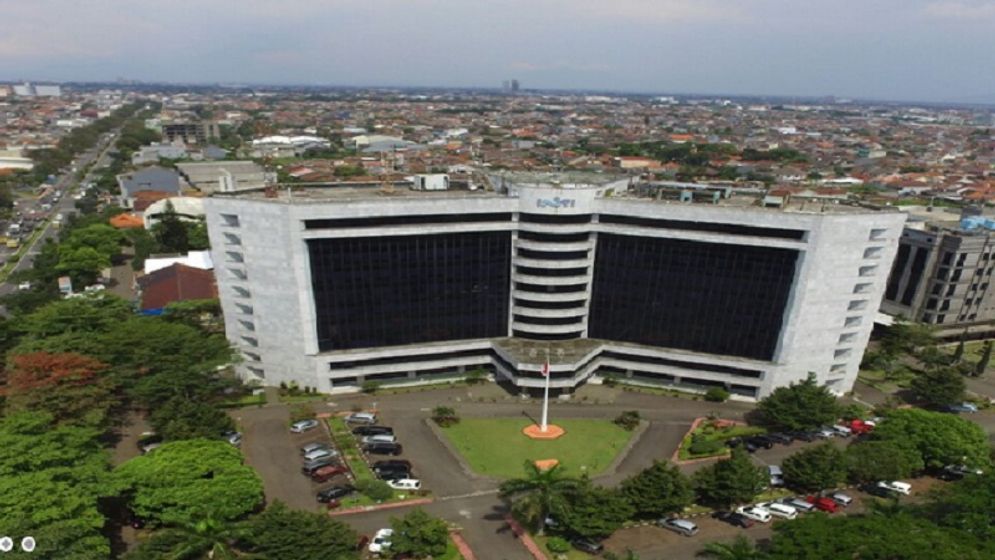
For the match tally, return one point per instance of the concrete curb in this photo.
(617, 461)
(378, 507)
(462, 546)
(523, 535)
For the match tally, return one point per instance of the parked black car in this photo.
(760, 441)
(875, 490)
(372, 430)
(734, 519)
(588, 546)
(334, 493)
(780, 437)
(383, 448)
(393, 474)
(804, 435)
(392, 464)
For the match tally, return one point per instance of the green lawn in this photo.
(572, 554)
(496, 446)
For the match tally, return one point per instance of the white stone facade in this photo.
(264, 280)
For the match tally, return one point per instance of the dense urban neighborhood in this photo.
(497, 324)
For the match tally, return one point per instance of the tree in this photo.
(182, 418)
(445, 416)
(966, 506)
(959, 351)
(868, 537)
(904, 337)
(800, 406)
(50, 479)
(986, 357)
(418, 535)
(170, 231)
(815, 468)
(871, 461)
(658, 490)
(540, 493)
(739, 549)
(195, 539)
(189, 480)
(280, 532)
(939, 386)
(68, 386)
(732, 481)
(103, 238)
(82, 264)
(86, 314)
(594, 512)
(938, 438)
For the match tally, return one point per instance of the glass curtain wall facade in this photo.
(385, 291)
(691, 295)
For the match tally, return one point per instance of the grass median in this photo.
(496, 447)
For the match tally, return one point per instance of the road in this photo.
(63, 188)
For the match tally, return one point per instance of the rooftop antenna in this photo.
(386, 184)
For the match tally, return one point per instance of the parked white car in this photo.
(380, 438)
(303, 426)
(380, 541)
(320, 453)
(842, 430)
(405, 484)
(361, 418)
(779, 510)
(898, 486)
(755, 513)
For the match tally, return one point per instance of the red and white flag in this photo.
(545, 370)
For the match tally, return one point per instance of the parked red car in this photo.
(325, 474)
(859, 427)
(825, 504)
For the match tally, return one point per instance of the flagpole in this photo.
(545, 396)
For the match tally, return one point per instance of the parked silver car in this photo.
(683, 526)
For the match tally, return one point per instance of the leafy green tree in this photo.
(658, 490)
(800, 406)
(939, 386)
(418, 535)
(966, 506)
(870, 461)
(538, 494)
(195, 539)
(82, 264)
(376, 490)
(287, 534)
(185, 481)
(815, 468)
(938, 438)
(51, 477)
(739, 549)
(868, 537)
(103, 238)
(182, 418)
(86, 314)
(732, 481)
(593, 511)
(958, 351)
(170, 231)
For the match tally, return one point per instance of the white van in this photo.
(780, 510)
(405, 484)
(896, 486)
(380, 438)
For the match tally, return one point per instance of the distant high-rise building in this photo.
(31, 90)
(514, 85)
(506, 85)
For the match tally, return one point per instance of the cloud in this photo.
(954, 10)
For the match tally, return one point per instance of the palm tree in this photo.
(539, 493)
(740, 549)
(205, 538)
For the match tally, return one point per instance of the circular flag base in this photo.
(534, 431)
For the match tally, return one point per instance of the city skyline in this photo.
(880, 50)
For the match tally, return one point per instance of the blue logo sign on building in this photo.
(555, 202)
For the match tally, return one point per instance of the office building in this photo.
(943, 270)
(189, 132)
(331, 286)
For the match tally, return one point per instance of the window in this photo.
(393, 290)
(862, 288)
(945, 305)
(232, 239)
(969, 301)
(951, 289)
(230, 220)
(841, 353)
(247, 325)
(246, 309)
(868, 270)
(948, 258)
(238, 274)
(234, 257)
(250, 341)
(691, 295)
(940, 319)
(857, 305)
(927, 317)
(872, 252)
(241, 292)
(955, 277)
(939, 287)
(847, 337)
(837, 368)
(852, 321)
(931, 303)
(961, 258)
(877, 234)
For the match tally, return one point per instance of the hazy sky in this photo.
(896, 49)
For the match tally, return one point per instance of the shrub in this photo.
(445, 416)
(370, 387)
(628, 420)
(558, 545)
(610, 381)
(476, 377)
(717, 394)
(702, 446)
(377, 490)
